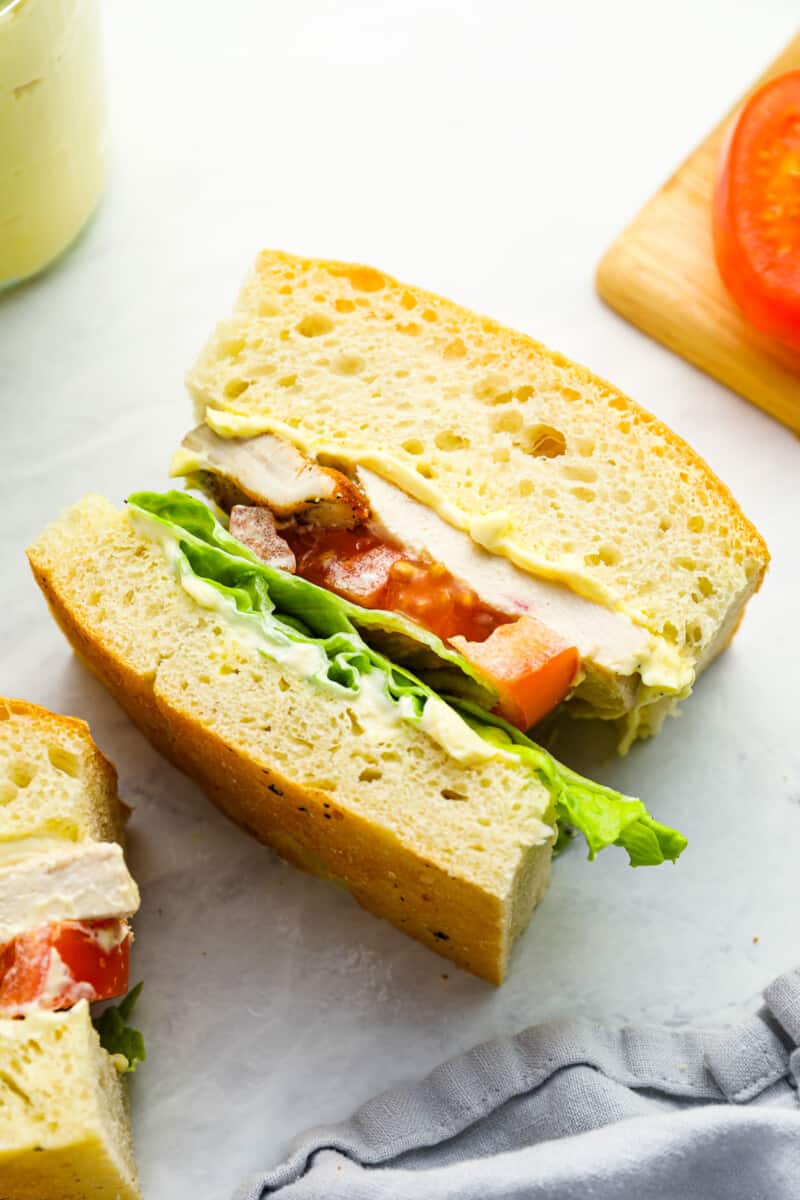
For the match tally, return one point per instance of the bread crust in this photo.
(85, 1141)
(452, 915)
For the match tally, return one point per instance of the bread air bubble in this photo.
(314, 325)
(545, 441)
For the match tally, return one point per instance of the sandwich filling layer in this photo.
(78, 882)
(64, 934)
(662, 666)
(535, 641)
(54, 966)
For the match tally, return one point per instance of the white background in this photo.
(488, 151)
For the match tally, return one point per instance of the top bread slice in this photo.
(533, 455)
(54, 782)
(455, 855)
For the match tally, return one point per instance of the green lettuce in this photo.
(604, 817)
(117, 1036)
(289, 610)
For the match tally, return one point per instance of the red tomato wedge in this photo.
(756, 213)
(530, 665)
(54, 966)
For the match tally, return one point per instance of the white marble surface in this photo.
(489, 151)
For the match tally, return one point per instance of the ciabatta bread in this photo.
(457, 856)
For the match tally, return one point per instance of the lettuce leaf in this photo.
(117, 1036)
(604, 817)
(288, 610)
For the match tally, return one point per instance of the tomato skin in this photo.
(756, 210)
(92, 972)
(530, 665)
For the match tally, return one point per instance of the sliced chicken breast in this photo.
(268, 470)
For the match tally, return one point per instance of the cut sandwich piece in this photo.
(521, 452)
(65, 890)
(435, 814)
(65, 895)
(64, 1131)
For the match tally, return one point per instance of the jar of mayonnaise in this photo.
(52, 129)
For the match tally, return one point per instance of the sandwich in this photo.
(419, 534)
(66, 897)
(465, 446)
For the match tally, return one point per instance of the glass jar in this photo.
(52, 129)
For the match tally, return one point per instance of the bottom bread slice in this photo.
(455, 856)
(64, 1132)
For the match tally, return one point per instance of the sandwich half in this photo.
(270, 691)
(391, 434)
(65, 898)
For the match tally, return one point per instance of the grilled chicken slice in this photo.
(269, 471)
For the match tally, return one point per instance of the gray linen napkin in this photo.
(574, 1109)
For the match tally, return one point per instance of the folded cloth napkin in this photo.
(573, 1109)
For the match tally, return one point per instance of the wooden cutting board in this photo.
(661, 275)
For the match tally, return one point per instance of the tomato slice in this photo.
(97, 953)
(530, 665)
(354, 563)
(366, 568)
(54, 966)
(756, 211)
